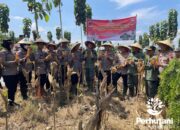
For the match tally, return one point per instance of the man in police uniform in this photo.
(121, 67)
(9, 62)
(51, 50)
(90, 57)
(41, 58)
(76, 66)
(106, 62)
(25, 66)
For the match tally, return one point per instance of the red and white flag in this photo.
(111, 30)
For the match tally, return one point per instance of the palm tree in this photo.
(58, 4)
(40, 10)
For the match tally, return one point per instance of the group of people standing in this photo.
(128, 62)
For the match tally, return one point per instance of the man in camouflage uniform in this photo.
(25, 66)
(106, 62)
(90, 57)
(138, 59)
(63, 53)
(151, 72)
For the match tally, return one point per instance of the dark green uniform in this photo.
(131, 76)
(151, 77)
(90, 57)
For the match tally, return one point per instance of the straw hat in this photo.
(123, 46)
(136, 45)
(107, 44)
(25, 41)
(166, 42)
(63, 40)
(75, 47)
(40, 41)
(51, 44)
(90, 42)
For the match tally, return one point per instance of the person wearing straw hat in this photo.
(151, 72)
(76, 66)
(138, 57)
(166, 53)
(90, 58)
(51, 51)
(41, 58)
(25, 64)
(106, 61)
(63, 53)
(177, 53)
(137, 51)
(9, 63)
(121, 68)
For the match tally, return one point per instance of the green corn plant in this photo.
(169, 90)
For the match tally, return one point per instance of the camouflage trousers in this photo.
(151, 88)
(90, 72)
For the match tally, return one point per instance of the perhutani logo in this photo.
(154, 106)
(154, 123)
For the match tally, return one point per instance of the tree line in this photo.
(82, 11)
(41, 11)
(162, 30)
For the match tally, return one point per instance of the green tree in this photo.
(4, 18)
(98, 44)
(58, 33)
(140, 39)
(88, 16)
(27, 27)
(58, 4)
(12, 35)
(179, 43)
(152, 32)
(163, 30)
(40, 9)
(67, 35)
(80, 13)
(157, 32)
(49, 36)
(145, 40)
(173, 23)
(35, 35)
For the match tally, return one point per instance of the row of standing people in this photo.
(17, 65)
(126, 62)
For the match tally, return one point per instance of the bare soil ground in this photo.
(38, 115)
